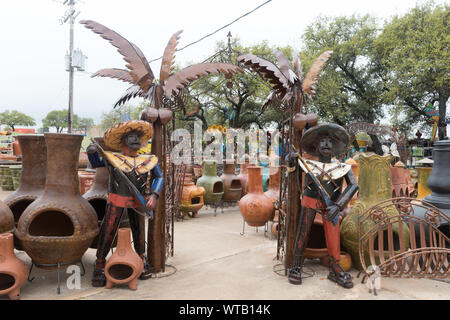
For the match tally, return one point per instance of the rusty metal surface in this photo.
(310, 82)
(423, 254)
(169, 57)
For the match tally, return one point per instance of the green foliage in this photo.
(109, 119)
(59, 120)
(14, 117)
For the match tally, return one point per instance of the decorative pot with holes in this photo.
(273, 191)
(243, 176)
(212, 184)
(6, 219)
(58, 227)
(231, 183)
(191, 197)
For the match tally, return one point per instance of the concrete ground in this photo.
(213, 261)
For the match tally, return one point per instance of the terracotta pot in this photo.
(191, 197)
(273, 191)
(83, 160)
(32, 179)
(59, 226)
(422, 186)
(231, 183)
(6, 219)
(125, 265)
(345, 261)
(243, 176)
(256, 208)
(16, 147)
(311, 119)
(13, 272)
(212, 184)
(85, 180)
(299, 121)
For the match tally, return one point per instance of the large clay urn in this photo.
(6, 219)
(125, 265)
(32, 179)
(256, 208)
(59, 226)
(191, 197)
(13, 272)
(243, 176)
(231, 183)
(273, 191)
(212, 184)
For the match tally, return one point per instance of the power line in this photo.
(212, 33)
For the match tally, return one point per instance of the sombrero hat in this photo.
(113, 137)
(310, 139)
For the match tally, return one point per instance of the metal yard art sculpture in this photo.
(170, 85)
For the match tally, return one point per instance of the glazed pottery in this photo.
(13, 272)
(6, 219)
(58, 227)
(422, 186)
(125, 265)
(256, 208)
(191, 197)
(273, 191)
(231, 183)
(212, 184)
(243, 176)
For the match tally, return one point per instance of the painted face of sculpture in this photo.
(325, 146)
(132, 141)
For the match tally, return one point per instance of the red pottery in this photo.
(13, 272)
(58, 227)
(256, 208)
(125, 265)
(231, 183)
(16, 147)
(274, 187)
(243, 176)
(6, 219)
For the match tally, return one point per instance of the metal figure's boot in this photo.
(338, 275)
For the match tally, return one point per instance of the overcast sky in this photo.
(34, 80)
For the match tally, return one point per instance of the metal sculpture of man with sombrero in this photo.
(134, 185)
(323, 194)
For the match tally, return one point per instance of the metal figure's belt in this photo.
(312, 203)
(122, 201)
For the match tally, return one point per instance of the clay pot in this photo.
(32, 179)
(13, 272)
(345, 261)
(243, 176)
(299, 121)
(311, 119)
(273, 191)
(6, 219)
(16, 147)
(125, 265)
(231, 183)
(83, 160)
(212, 184)
(191, 197)
(422, 186)
(59, 226)
(256, 208)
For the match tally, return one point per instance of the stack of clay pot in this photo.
(57, 228)
(32, 179)
(125, 265)
(256, 208)
(231, 182)
(191, 197)
(212, 184)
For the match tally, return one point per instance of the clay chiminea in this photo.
(231, 183)
(273, 191)
(32, 179)
(191, 197)
(256, 208)
(243, 176)
(211, 182)
(58, 227)
(13, 272)
(6, 219)
(97, 195)
(125, 265)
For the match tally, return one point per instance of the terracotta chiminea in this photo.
(6, 219)
(231, 183)
(273, 191)
(243, 176)
(58, 227)
(97, 195)
(256, 208)
(211, 182)
(13, 272)
(32, 179)
(191, 197)
(125, 265)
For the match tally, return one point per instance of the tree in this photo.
(83, 124)
(14, 117)
(115, 115)
(56, 119)
(415, 52)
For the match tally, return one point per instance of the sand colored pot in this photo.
(231, 183)
(243, 176)
(6, 219)
(273, 191)
(212, 184)
(59, 226)
(191, 197)
(256, 208)
(125, 265)
(13, 272)
(83, 160)
(422, 186)
(32, 179)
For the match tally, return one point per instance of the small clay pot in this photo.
(191, 197)
(6, 219)
(311, 119)
(212, 184)
(165, 115)
(256, 208)
(13, 272)
(150, 115)
(299, 121)
(83, 160)
(125, 265)
(231, 183)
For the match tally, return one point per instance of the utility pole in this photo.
(70, 16)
